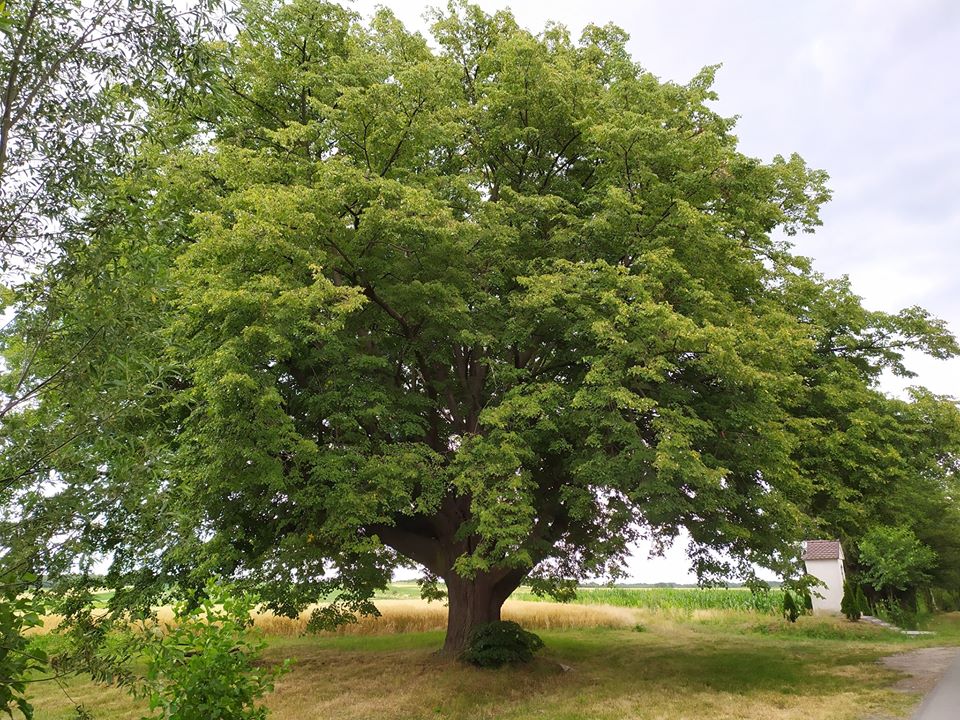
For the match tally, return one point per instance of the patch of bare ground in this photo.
(921, 668)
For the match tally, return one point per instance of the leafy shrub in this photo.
(862, 601)
(791, 610)
(499, 643)
(202, 667)
(849, 605)
(20, 609)
(893, 558)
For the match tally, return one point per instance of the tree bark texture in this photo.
(473, 602)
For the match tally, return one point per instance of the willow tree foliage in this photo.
(497, 305)
(74, 80)
(71, 75)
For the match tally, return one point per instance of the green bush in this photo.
(849, 605)
(791, 610)
(202, 667)
(893, 558)
(499, 643)
(20, 610)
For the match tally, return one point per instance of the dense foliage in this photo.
(894, 559)
(71, 76)
(500, 643)
(204, 664)
(19, 611)
(74, 81)
(497, 308)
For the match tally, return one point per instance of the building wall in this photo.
(831, 573)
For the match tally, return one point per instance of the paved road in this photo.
(944, 702)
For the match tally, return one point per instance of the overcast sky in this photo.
(867, 90)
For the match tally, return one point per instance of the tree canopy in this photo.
(497, 305)
(75, 78)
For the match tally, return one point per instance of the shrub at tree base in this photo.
(500, 643)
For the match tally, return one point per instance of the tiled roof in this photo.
(822, 550)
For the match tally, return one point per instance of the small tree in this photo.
(862, 601)
(850, 605)
(791, 609)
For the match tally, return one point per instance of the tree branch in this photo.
(420, 548)
(10, 94)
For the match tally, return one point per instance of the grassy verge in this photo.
(656, 664)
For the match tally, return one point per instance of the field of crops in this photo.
(770, 601)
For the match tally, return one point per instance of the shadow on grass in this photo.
(732, 664)
(611, 669)
(682, 674)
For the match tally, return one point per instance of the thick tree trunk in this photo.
(473, 602)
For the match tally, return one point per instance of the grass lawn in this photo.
(683, 664)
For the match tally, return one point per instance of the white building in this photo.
(824, 560)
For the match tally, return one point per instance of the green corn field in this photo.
(768, 602)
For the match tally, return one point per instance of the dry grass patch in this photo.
(687, 666)
(616, 675)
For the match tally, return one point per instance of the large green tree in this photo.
(876, 462)
(497, 308)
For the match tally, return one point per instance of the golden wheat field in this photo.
(411, 615)
(404, 616)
